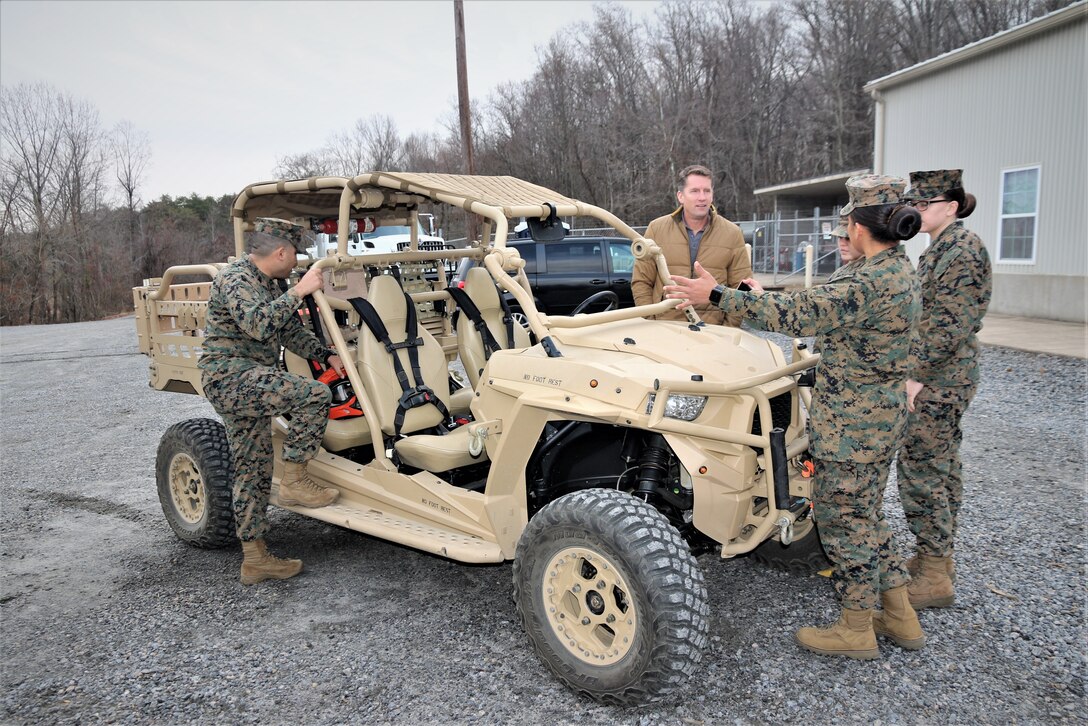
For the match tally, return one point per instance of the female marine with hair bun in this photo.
(862, 321)
(955, 276)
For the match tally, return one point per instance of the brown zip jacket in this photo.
(721, 253)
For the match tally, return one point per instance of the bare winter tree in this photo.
(131, 154)
(60, 258)
(982, 18)
(420, 152)
(612, 162)
(78, 285)
(930, 27)
(724, 76)
(29, 120)
(371, 144)
(845, 45)
(10, 188)
(382, 142)
(347, 151)
(303, 166)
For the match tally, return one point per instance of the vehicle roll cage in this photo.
(496, 199)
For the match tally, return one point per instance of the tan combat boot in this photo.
(914, 567)
(852, 636)
(898, 622)
(258, 565)
(298, 489)
(932, 588)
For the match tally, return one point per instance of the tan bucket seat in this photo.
(474, 350)
(425, 404)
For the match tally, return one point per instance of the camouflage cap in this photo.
(928, 184)
(281, 229)
(840, 231)
(872, 190)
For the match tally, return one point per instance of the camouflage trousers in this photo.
(929, 470)
(247, 401)
(848, 501)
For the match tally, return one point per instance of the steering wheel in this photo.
(612, 298)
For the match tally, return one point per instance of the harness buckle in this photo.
(415, 397)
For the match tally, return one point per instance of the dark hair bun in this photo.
(966, 206)
(904, 222)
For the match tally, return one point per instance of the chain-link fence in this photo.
(778, 245)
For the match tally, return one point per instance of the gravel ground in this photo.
(107, 617)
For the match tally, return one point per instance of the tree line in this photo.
(75, 233)
(613, 110)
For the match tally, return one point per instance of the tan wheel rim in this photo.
(186, 488)
(589, 605)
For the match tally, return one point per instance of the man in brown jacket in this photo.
(694, 232)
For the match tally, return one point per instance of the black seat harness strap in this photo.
(507, 318)
(464, 302)
(412, 396)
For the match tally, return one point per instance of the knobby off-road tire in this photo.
(804, 556)
(610, 596)
(194, 474)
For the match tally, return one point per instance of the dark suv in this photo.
(566, 272)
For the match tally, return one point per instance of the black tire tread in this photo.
(804, 556)
(674, 586)
(205, 440)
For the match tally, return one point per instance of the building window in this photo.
(1019, 214)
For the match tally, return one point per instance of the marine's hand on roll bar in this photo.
(691, 290)
(311, 282)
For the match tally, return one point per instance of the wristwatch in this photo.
(716, 295)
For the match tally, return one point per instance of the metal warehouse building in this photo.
(1010, 110)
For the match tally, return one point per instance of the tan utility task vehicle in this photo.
(596, 451)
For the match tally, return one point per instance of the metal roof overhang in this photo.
(818, 186)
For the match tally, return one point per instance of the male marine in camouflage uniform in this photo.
(862, 322)
(955, 277)
(249, 319)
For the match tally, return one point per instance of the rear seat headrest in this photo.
(387, 297)
(481, 288)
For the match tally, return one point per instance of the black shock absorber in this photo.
(653, 466)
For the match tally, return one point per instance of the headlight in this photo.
(685, 408)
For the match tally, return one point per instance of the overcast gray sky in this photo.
(225, 88)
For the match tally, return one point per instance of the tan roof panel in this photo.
(320, 196)
(506, 192)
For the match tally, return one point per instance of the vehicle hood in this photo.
(647, 350)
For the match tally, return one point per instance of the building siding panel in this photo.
(1021, 105)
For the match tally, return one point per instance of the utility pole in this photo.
(463, 105)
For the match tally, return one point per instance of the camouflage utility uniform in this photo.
(846, 270)
(248, 320)
(862, 323)
(955, 277)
